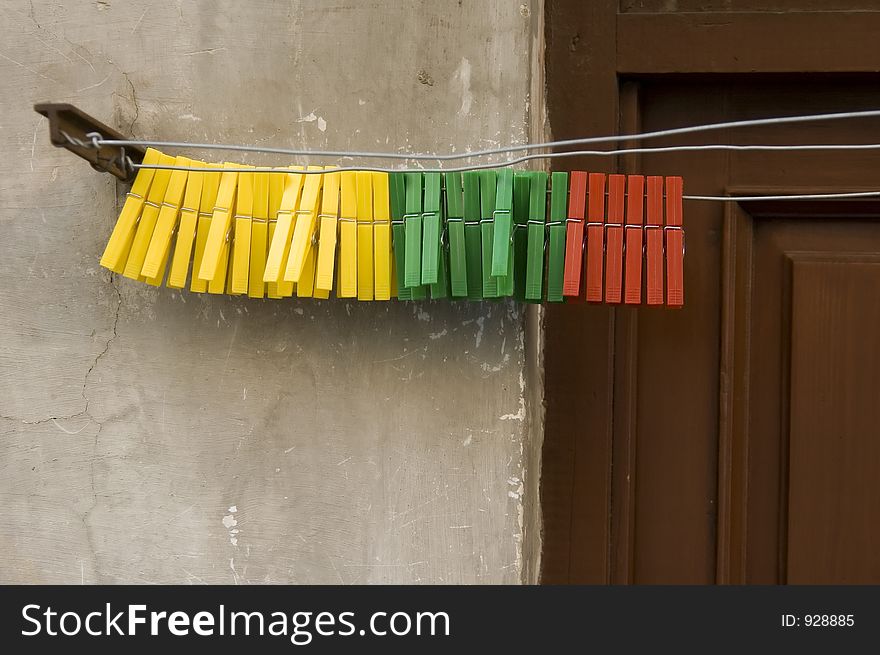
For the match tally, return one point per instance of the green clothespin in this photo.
(537, 226)
(487, 221)
(502, 256)
(413, 229)
(521, 183)
(440, 289)
(431, 229)
(398, 232)
(455, 229)
(556, 256)
(472, 240)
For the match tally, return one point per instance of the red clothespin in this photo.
(635, 203)
(674, 243)
(654, 238)
(614, 238)
(574, 237)
(595, 237)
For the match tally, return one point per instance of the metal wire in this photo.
(796, 196)
(493, 151)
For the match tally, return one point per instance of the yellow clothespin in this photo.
(118, 246)
(279, 249)
(364, 235)
(381, 236)
(348, 241)
(277, 182)
(306, 219)
(327, 235)
(147, 222)
(259, 234)
(210, 186)
(241, 244)
(160, 242)
(221, 223)
(186, 228)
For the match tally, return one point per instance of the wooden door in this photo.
(735, 440)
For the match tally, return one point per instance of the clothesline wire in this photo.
(707, 127)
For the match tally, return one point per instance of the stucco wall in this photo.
(157, 436)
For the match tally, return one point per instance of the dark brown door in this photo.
(737, 440)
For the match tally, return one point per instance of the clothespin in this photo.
(221, 282)
(595, 237)
(397, 199)
(412, 275)
(488, 187)
(277, 182)
(556, 228)
(279, 248)
(502, 237)
(221, 225)
(635, 202)
(147, 222)
(306, 218)
(327, 236)
(241, 244)
(210, 187)
(654, 238)
(186, 228)
(674, 243)
(431, 230)
(348, 241)
(614, 238)
(364, 235)
(160, 242)
(118, 246)
(472, 235)
(521, 185)
(537, 226)
(458, 281)
(574, 235)
(259, 234)
(381, 237)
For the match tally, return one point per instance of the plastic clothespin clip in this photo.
(557, 233)
(348, 245)
(614, 239)
(537, 227)
(243, 223)
(521, 185)
(277, 182)
(118, 246)
(635, 203)
(279, 248)
(306, 219)
(440, 289)
(210, 186)
(328, 217)
(431, 230)
(147, 221)
(160, 243)
(455, 229)
(186, 228)
(654, 240)
(381, 237)
(674, 243)
(595, 237)
(472, 235)
(259, 234)
(221, 225)
(488, 187)
(502, 238)
(412, 218)
(364, 236)
(574, 235)
(397, 199)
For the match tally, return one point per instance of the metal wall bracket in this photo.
(70, 127)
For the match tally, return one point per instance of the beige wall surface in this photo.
(153, 436)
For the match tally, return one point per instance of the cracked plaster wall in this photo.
(152, 436)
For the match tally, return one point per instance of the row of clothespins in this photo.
(409, 235)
